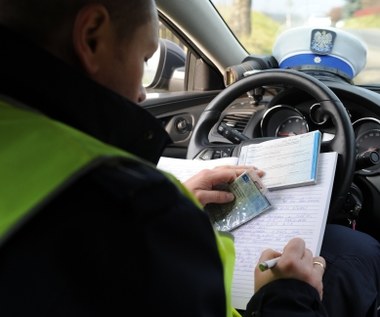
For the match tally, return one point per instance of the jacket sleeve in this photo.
(285, 298)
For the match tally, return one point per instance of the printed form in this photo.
(287, 161)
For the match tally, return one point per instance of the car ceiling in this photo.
(213, 44)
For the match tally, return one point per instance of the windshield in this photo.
(257, 23)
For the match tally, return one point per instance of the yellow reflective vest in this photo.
(39, 157)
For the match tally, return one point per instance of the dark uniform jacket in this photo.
(119, 239)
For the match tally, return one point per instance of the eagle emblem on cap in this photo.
(322, 41)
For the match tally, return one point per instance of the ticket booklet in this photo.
(250, 201)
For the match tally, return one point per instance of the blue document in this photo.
(287, 162)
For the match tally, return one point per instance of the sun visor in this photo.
(328, 49)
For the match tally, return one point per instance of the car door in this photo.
(179, 83)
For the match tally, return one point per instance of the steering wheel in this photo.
(343, 142)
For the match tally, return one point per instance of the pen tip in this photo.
(263, 267)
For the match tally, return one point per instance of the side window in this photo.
(165, 71)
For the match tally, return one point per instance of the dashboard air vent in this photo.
(237, 121)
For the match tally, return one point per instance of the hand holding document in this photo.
(250, 201)
(296, 210)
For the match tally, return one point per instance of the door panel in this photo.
(178, 112)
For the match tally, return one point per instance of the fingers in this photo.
(228, 173)
(301, 264)
(319, 266)
(214, 196)
(297, 262)
(295, 245)
(265, 277)
(268, 254)
(239, 169)
(209, 184)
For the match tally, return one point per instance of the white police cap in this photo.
(326, 48)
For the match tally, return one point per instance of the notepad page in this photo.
(297, 212)
(183, 169)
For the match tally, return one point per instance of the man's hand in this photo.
(204, 185)
(295, 262)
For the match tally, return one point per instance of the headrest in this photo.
(328, 48)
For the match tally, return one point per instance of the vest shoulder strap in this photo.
(40, 156)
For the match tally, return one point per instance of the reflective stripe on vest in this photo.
(40, 156)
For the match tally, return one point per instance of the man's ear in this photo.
(90, 34)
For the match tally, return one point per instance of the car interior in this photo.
(202, 78)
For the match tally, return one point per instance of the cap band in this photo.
(322, 61)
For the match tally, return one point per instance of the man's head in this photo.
(108, 39)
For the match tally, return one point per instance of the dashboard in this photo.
(282, 120)
(367, 139)
(289, 112)
(293, 112)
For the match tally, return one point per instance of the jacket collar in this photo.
(38, 79)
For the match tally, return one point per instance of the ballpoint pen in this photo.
(268, 264)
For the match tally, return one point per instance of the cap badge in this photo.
(322, 41)
(317, 60)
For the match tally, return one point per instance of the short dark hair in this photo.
(42, 20)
